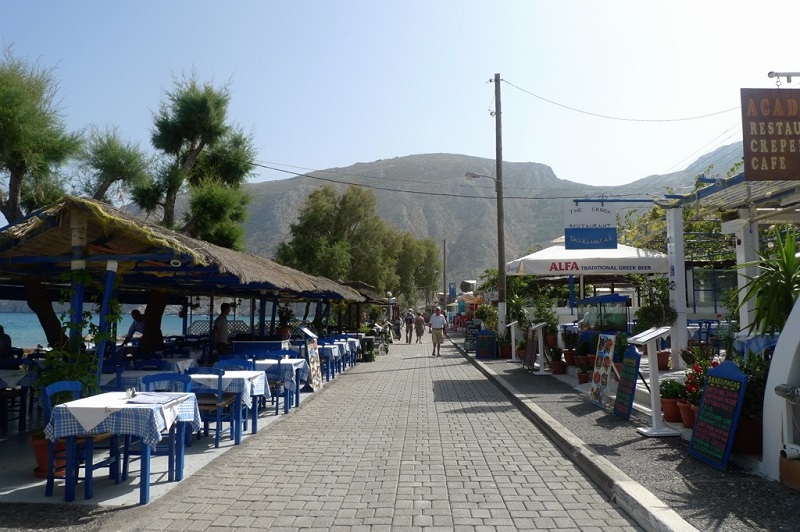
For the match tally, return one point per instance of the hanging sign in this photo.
(590, 226)
(718, 415)
(771, 134)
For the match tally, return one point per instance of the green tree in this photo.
(107, 161)
(34, 141)
(342, 237)
(200, 148)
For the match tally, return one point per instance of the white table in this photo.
(113, 412)
(292, 371)
(245, 384)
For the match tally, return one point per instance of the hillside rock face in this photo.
(429, 196)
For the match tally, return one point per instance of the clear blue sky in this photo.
(328, 84)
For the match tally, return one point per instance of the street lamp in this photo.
(501, 251)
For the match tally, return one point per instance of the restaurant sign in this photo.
(589, 226)
(771, 134)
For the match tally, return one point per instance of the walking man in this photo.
(438, 326)
(409, 319)
(221, 331)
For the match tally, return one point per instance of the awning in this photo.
(557, 261)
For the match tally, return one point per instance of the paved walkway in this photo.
(413, 442)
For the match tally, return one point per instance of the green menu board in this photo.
(718, 415)
(623, 402)
(473, 327)
(485, 345)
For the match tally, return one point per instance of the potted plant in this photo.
(777, 285)
(569, 338)
(522, 346)
(584, 370)
(749, 433)
(697, 359)
(557, 365)
(671, 391)
(504, 347)
(582, 353)
(544, 311)
(285, 319)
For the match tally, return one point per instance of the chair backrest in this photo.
(235, 363)
(291, 353)
(167, 382)
(267, 355)
(153, 363)
(73, 388)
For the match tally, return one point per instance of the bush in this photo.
(672, 389)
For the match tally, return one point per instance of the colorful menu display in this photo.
(623, 403)
(602, 368)
(315, 377)
(485, 345)
(718, 415)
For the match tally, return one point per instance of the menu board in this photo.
(315, 374)
(485, 345)
(473, 327)
(602, 368)
(530, 348)
(623, 402)
(718, 415)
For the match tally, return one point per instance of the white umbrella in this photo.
(557, 261)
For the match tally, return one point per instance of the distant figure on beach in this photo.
(221, 330)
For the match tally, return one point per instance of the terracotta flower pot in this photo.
(40, 453)
(663, 360)
(559, 367)
(583, 377)
(569, 357)
(687, 414)
(669, 407)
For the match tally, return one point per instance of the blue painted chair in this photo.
(218, 407)
(234, 363)
(277, 385)
(170, 382)
(85, 445)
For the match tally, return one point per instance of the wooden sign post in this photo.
(538, 330)
(649, 338)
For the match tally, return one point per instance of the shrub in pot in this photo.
(671, 391)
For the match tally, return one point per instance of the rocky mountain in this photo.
(429, 196)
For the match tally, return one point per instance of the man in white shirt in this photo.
(438, 327)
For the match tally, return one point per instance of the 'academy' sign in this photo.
(771, 134)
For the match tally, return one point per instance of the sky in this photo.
(327, 84)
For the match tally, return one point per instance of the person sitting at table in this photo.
(137, 326)
(6, 351)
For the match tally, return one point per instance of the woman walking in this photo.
(419, 326)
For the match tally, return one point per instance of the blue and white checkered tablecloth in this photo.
(248, 383)
(332, 351)
(10, 378)
(288, 368)
(143, 420)
(755, 344)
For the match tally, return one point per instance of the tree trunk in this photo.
(39, 302)
(151, 338)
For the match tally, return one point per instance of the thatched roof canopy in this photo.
(150, 257)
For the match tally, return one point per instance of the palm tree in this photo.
(777, 285)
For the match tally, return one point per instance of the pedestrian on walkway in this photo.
(409, 319)
(419, 326)
(438, 326)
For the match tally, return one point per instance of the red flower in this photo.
(692, 387)
(714, 363)
(697, 368)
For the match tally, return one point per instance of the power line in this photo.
(618, 118)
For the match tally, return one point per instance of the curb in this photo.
(649, 512)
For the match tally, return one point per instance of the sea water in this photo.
(26, 331)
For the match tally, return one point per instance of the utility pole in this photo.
(501, 236)
(444, 274)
